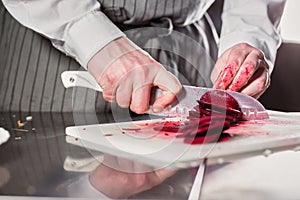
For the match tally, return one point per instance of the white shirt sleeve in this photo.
(77, 28)
(253, 22)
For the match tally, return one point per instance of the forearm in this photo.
(77, 28)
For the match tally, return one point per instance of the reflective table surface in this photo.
(38, 162)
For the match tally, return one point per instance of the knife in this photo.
(187, 99)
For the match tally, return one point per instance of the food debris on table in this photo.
(18, 138)
(28, 118)
(20, 123)
(20, 130)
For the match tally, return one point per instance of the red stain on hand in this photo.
(245, 73)
(225, 77)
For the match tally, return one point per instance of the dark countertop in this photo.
(39, 162)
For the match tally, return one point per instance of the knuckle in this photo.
(235, 62)
(107, 97)
(141, 180)
(123, 104)
(258, 52)
(243, 45)
(237, 53)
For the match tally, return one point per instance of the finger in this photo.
(165, 80)
(125, 165)
(170, 87)
(140, 98)
(165, 99)
(218, 67)
(246, 71)
(108, 92)
(258, 83)
(110, 80)
(161, 175)
(108, 98)
(123, 94)
(227, 74)
(110, 161)
(142, 168)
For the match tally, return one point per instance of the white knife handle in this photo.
(79, 79)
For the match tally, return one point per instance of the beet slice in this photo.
(216, 111)
(220, 99)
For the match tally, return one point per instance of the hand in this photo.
(121, 178)
(242, 68)
(126, 74)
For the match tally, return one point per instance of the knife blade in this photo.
(186, 100)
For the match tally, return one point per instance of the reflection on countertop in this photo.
(37, 161)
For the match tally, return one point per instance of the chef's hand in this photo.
(242, 68)
(126, 74)
(122, 178)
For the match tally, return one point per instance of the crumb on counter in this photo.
(29, 118)
(20, 123)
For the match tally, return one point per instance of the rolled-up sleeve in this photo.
(254, 22)
(77, 28)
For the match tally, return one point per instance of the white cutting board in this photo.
(281, 131)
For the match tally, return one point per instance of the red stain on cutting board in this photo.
(265, 127)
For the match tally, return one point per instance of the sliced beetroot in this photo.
(216, 111)
(230, 112)
(193, 113)
(201, 139)
(196, 108)
(220, 99)
(235, 116)
(224, 137)
(214, 128)
(209, 119)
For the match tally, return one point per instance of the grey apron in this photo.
(30, 66)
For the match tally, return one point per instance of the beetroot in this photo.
(216, 101)
(219, 99)
(216, 111)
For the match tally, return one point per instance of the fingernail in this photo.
(219, 85)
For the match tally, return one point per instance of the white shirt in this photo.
(79, 28)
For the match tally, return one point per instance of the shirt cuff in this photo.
(85, 37)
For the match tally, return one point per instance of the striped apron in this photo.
(169, 30)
